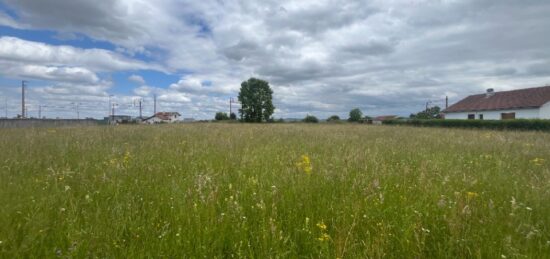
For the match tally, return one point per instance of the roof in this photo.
(385, 117)
(515, 99)
(164, 115)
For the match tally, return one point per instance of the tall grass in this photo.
(261, 191)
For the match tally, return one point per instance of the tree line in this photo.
(256, 99)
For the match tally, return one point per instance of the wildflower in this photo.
(471, 195)
(537, 161)
(322, 226)
(305, 164)
(324, 237)
(126, 159)
(67, 187)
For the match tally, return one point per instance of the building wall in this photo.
(544, 111)
(495, 115)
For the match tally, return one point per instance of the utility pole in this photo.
(427, 103)
(140, 108)
(6, 107)
(446, 102)
(110, 96)
(77, 111)
(23, 85)
(155, 104)
(39, 111)
(139, 100)
(232, 101)
(113, 113)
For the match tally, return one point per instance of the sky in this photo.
(321, 57)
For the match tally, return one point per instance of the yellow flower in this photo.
(322, 226)
(305, 164)
(538, 161)
(471, 195)
(324, 237)
(126, 159)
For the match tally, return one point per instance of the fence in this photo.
(35, 123)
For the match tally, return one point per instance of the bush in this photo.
(333, 118)
(221, 116)
(519, 124)
(311, 119)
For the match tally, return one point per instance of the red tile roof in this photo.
(164, 115)
(515, 99)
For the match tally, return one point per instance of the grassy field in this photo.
(274, 191)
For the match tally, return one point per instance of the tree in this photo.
(355, 115)
(333, 118)
(430, 113)
(233, 116)
(221, 116)
(311, 119)
(256, 100)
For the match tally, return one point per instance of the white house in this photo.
(529, 103)
(163, 117)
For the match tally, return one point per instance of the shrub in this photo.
(220, 116)
(333, 118)
(311, 119)
(519, 124)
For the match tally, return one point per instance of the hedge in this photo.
(519, 124)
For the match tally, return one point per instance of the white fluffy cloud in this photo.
(321, 57)
(137, 79)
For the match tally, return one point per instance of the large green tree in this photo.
(256, 100)
(355, 115)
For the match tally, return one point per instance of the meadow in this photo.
(274, 191)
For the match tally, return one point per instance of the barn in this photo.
(528, 103)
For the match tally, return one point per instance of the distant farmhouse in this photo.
(163, 117)
(529, 103)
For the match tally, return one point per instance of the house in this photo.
(529, 103)
(380, 119)
(162, 117)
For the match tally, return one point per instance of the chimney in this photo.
(490, 92)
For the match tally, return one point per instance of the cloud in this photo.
(320, 57)
(137, 79)
(18, 50)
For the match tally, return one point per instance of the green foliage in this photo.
(221, 190)
(233, 116)
(255, 97)
(333, 118)
(221, 116)
(518, 124)
(432, 113)
(355, 115)
(311, 119)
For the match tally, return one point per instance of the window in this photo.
(508, 115)
(481, 116)
(471, 116)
